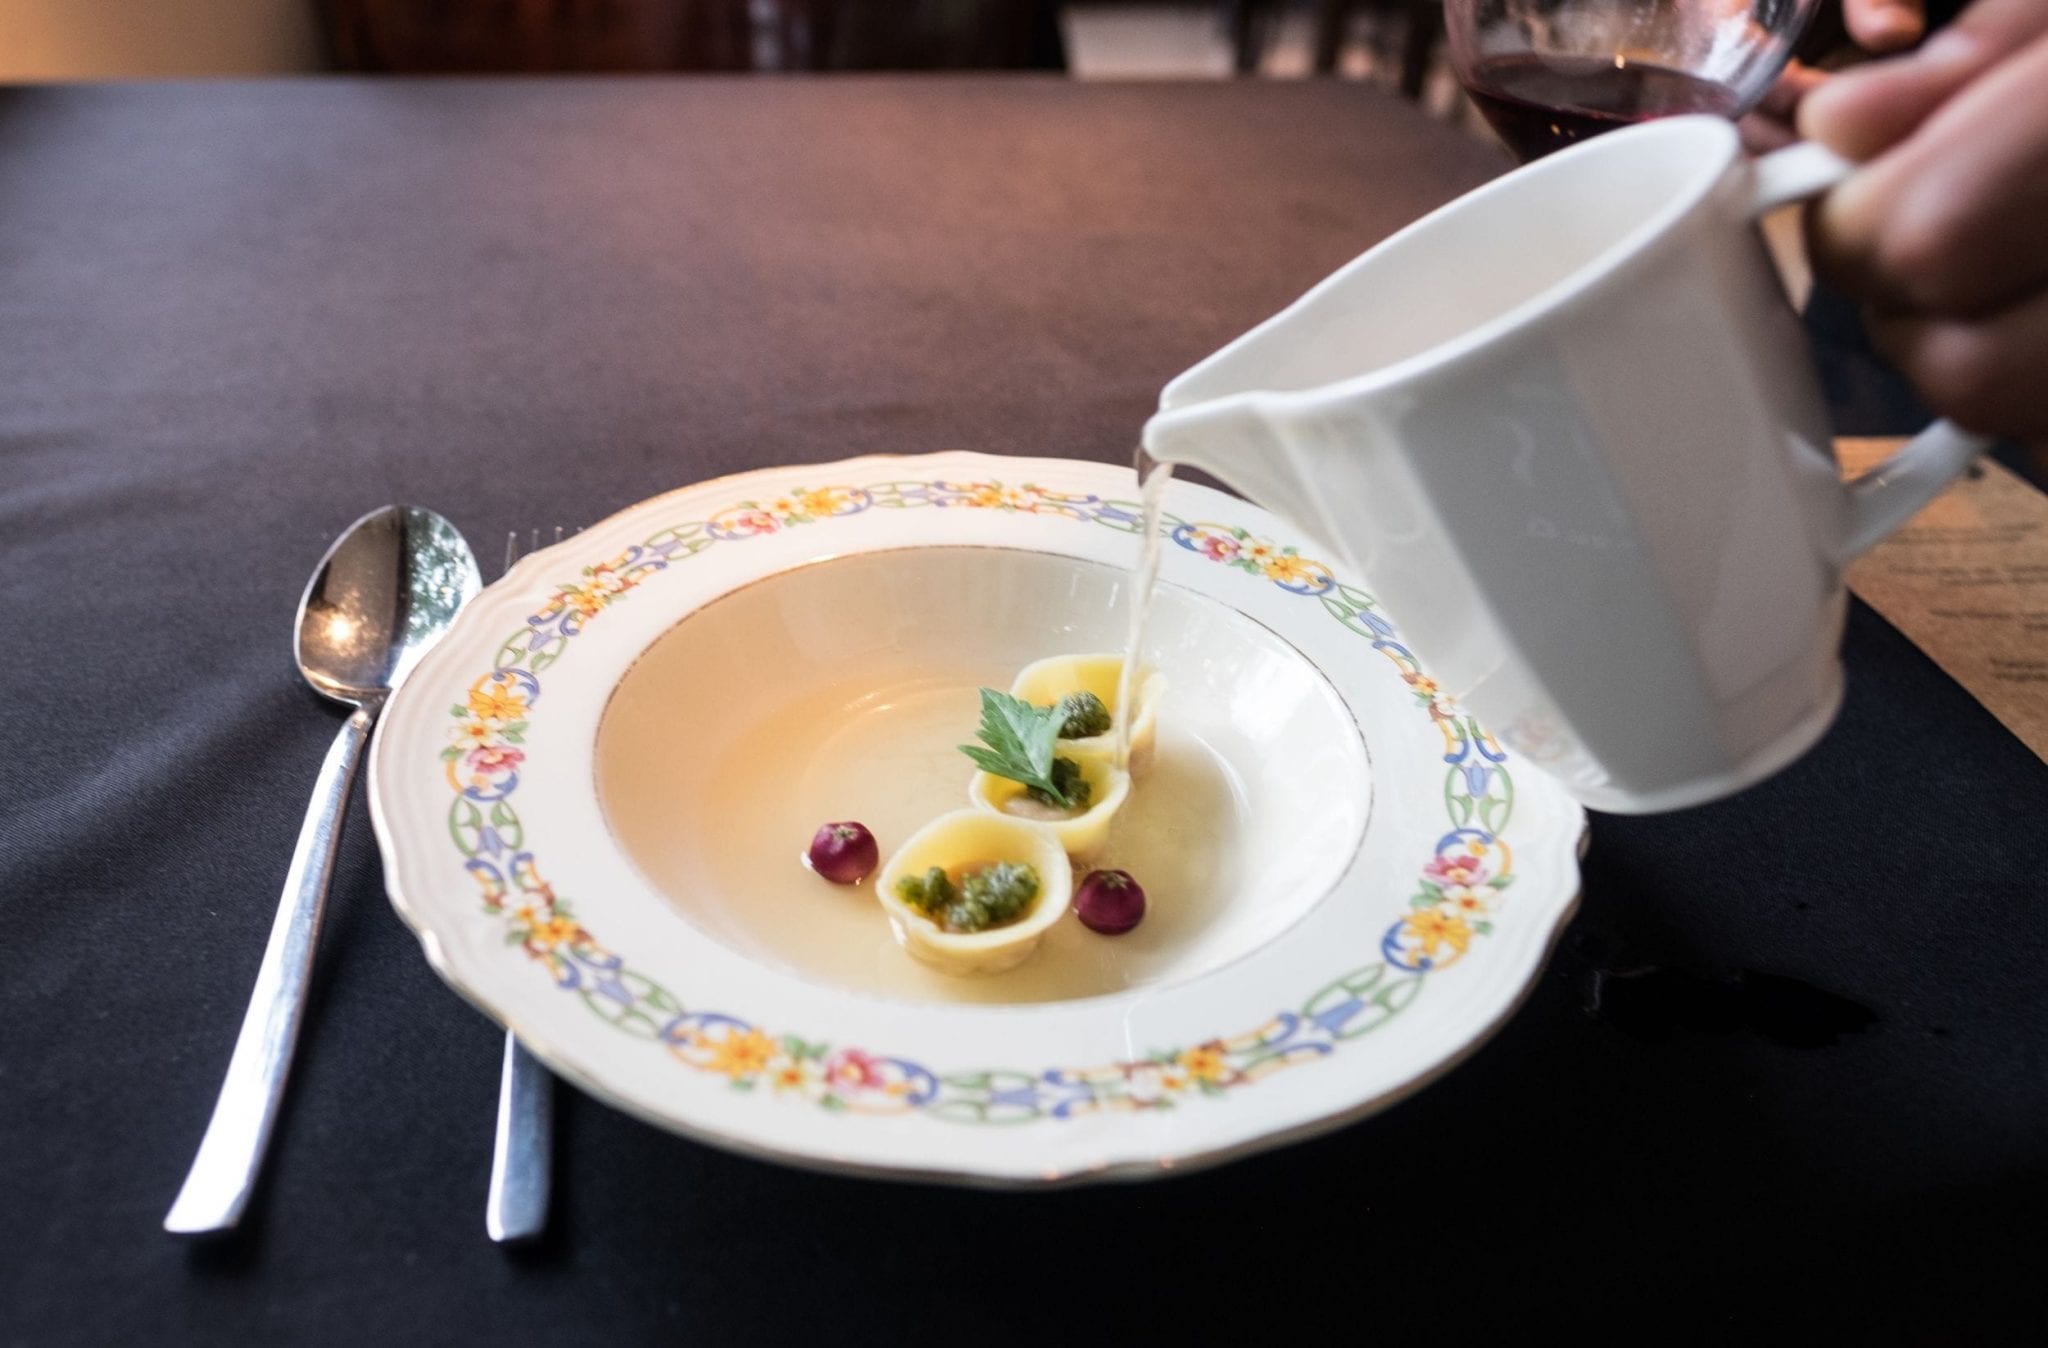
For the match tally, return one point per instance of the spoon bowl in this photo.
(382, 595)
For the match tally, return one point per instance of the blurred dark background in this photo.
(1396, 43)
(66, 39)
(615, 36)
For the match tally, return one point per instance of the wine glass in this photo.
(1550, 73)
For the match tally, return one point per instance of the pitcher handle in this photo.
(1891, 493)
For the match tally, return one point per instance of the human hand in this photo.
(1877, 26)
(1941, 231)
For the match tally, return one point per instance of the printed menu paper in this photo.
(1967, 581)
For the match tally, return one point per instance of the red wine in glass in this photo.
(1543, 103)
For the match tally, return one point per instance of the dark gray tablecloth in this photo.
(1787, 1069)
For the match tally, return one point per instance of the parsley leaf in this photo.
(1020, 739)
(1066, 776)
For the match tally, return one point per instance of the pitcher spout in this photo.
(1239, 441)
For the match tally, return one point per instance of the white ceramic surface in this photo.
(1568, 430)
(1411, 882)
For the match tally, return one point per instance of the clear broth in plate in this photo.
(883, 751)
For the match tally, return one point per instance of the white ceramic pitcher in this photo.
(1568, 431)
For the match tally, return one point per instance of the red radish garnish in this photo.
(843, 853)
(1109, 902)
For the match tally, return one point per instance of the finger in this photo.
(1950, 221)
(1985, 373)
(1866, 110)
(1883, 26)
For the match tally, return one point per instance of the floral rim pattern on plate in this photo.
(1458, 886)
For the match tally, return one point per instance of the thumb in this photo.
(1865, 111)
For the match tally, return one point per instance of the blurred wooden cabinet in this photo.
(423, 36)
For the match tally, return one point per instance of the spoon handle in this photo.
(517, 1209)
(224, 1172)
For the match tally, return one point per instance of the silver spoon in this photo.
(386, 591)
